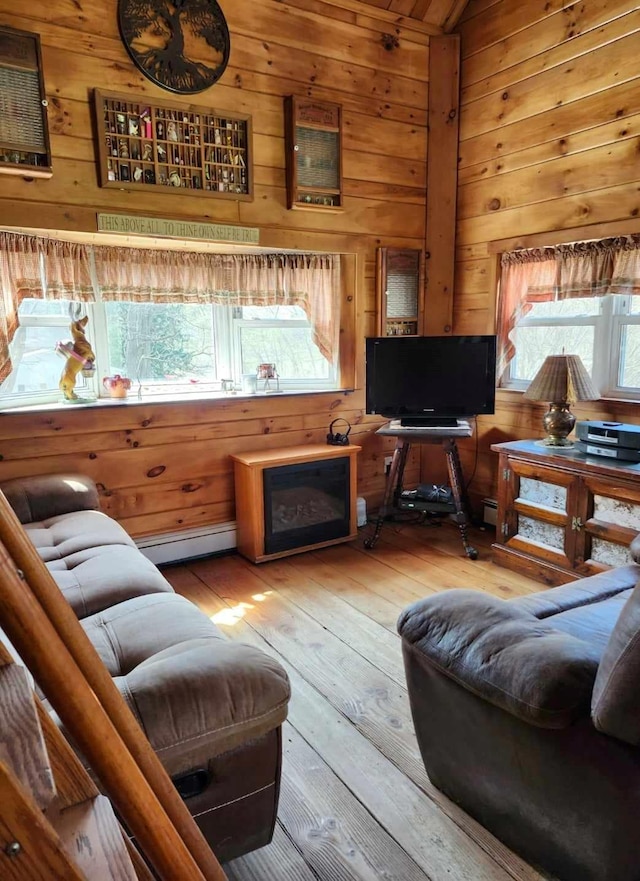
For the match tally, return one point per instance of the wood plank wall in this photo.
(164, 467)
(549, 139)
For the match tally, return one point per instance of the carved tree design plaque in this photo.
(181, 45)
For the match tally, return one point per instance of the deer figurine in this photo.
(78, 352)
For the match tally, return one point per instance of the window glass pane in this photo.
(272, 313)
(46, 307)
(630, 356)
(580, 306)
(161, 342)
(36, 366)
(634, 304)
(291, 349)
(533, 344)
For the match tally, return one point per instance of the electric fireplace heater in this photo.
(294, 499)
(306, 504)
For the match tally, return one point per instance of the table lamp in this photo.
(562, 380)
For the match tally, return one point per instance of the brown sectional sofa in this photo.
(527, 714)
(211, 708)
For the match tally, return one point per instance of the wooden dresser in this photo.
(563, 515)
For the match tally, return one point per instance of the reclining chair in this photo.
(527, 714)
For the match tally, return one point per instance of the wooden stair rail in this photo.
(23, 824)
(54, 823)
(45, 631)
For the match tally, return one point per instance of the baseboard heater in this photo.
(172, 547)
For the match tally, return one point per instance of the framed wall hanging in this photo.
(24, 133)
(400, 291)
(160, 145)
(313, 152)
(182, 46)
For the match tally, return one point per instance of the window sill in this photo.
(161, 400)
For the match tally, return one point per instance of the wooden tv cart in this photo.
(249, 469)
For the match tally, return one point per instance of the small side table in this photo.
(446, 437)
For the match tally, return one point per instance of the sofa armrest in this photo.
(50, 495)
(503, 654)
(615, 707)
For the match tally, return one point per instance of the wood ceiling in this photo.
(442, 15)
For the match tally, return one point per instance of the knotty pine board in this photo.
(146, 481)
(603, 167)
(414, 813)
(567, 48)
(281, 856)
(555, 126)
(548, 133)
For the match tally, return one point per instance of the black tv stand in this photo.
(428, 422)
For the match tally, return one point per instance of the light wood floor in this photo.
(355, 803)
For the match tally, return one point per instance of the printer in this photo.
(614, 440)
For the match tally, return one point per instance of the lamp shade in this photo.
(562, 378)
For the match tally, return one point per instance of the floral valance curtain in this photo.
(39, 267)
(583, 269)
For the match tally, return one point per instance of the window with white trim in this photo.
(166, 349)
(545, 313)
(171, 320)
(603, 331)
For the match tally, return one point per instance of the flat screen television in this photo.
(431, 380)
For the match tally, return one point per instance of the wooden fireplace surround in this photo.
(249, 481)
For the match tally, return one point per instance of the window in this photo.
(36, 365)
(164, 348)
(578, 299)
(279, 334)
(172, 321)
(603, 331)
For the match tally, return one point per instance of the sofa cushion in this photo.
(195, 693)
(593, 622)
(48, 495)
(60, 537)
(97, 578)
(93, 561)
(615, 708)
(503, 654)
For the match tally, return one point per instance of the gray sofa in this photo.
(211, 708)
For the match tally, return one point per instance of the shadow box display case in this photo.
(164, 146)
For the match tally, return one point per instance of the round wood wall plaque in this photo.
(181, 45)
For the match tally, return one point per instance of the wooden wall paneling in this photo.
(593, 207)
(608, 166)
(569, 47)
(599, 136)
(548, 125)
(136, 452)
(487, 24)
(571, 81)
(558, 125)
(442, 161)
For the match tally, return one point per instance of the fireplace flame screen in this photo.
(306, 503)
